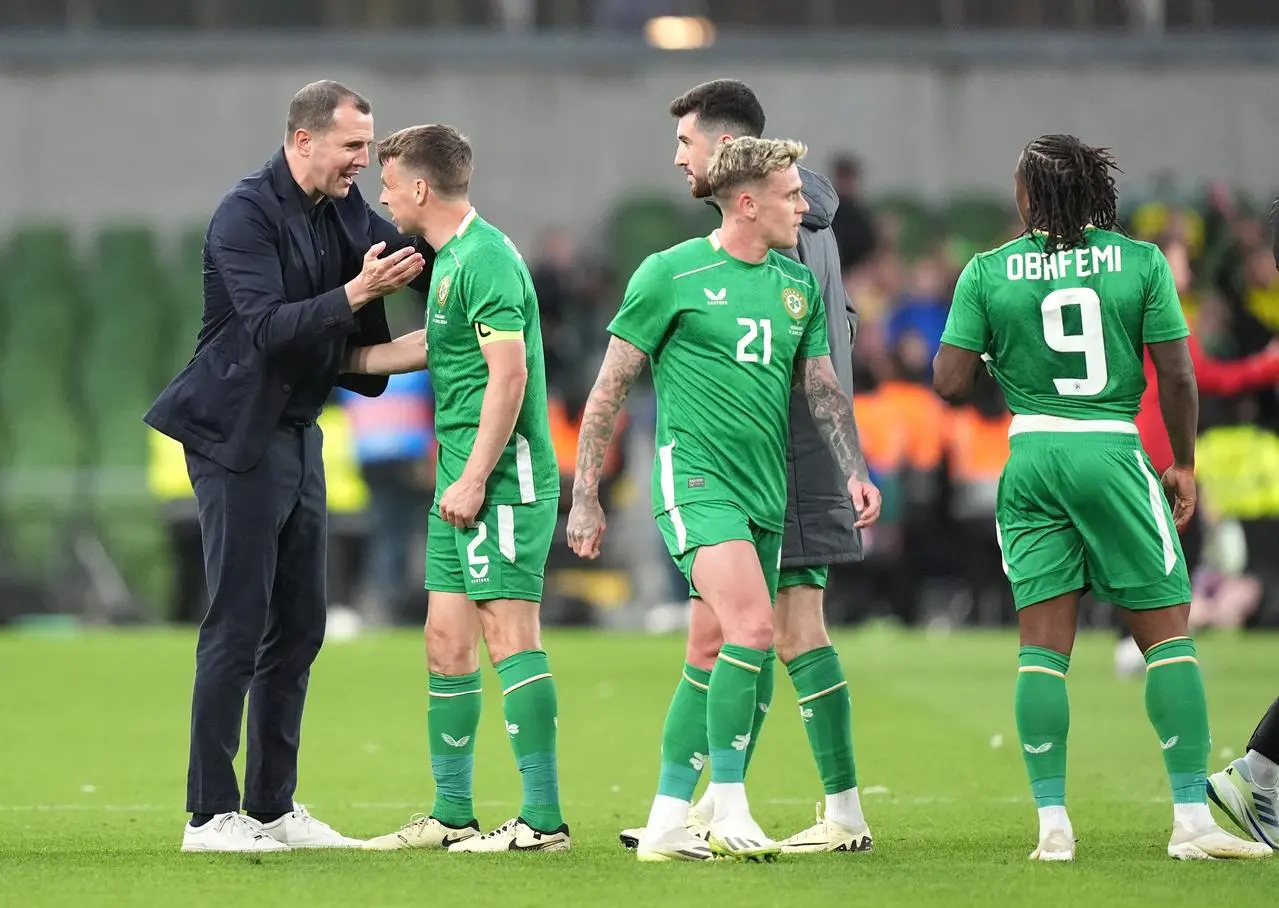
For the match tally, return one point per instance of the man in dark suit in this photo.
(292, 281)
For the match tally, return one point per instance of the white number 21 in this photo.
(1089, 341)
(753, 330)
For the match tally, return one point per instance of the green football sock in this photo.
(684, 745)
(1043, 721)
(763, 700)
(1178, 710)
(529, 702)
(452, 718)
(730, 708)
(827, 711)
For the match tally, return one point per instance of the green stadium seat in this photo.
(916, 223)
(126, 291)
(642, 225)
(185, 309)
(980, 220)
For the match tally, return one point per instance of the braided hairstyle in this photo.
(1069, 186)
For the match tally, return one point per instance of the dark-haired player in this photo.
(1060, 316)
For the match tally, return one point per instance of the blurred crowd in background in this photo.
(100, 261)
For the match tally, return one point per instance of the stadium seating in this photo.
(45, 445)
(128, 294)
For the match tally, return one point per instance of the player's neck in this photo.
(442, 225)
(742, 243)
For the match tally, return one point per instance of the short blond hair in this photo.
(748, 160)
(438, 152)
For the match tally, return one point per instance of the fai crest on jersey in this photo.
(442, 292)
(795, 302)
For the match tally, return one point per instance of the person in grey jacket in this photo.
(822, 527)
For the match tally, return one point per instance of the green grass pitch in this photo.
(94, 764)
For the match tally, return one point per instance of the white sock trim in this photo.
(740, 664)
(697, 684)
(822, 693)
(519, 684)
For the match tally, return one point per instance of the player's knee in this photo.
(799, 624)
(450, 650)
(510, 627)
(792, 641)
(752, 628)
(704, 637)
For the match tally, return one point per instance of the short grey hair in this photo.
(748, 160)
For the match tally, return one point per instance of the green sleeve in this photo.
(1163, 318)
(815, 341)
(967, 325)
(647, 307)
(494, 291)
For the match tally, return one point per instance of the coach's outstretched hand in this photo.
(385, 275)
(866, 501)
(586, 527)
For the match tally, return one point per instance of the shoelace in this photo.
(240, 823)
(501, 830)
(418, 819)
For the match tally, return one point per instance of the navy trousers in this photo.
(264, 534)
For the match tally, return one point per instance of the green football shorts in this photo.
(689, 527)
(812, 575)
(502, 557)
(1085, 509)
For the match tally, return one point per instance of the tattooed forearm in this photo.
(622, 365)
(833, 414)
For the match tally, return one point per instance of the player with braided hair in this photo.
(1060, 317)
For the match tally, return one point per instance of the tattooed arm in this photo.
(622, 365)
(832, 413)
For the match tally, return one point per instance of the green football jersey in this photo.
(722, 337)
(481, 292)
(1064, 334)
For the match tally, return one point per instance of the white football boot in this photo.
(422, 831)
(515, 835)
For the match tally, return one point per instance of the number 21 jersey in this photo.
(722, 337)
(1063, 332)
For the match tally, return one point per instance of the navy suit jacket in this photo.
(263, 309)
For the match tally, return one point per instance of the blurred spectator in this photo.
(853, 225)
(921, 313)
(564, 300)
(395, 446)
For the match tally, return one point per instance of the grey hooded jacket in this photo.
(819, 516)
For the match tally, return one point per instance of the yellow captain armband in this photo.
(487, 335)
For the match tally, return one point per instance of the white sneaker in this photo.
(1208, 843)
(422, 831)
(739, 836)
(698, 826)
(1055, 845)
(301, 830)
(674, 845)
(229, 832)
(515, 835)
(1253, 809)
(1130, 662)
(828, 835)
